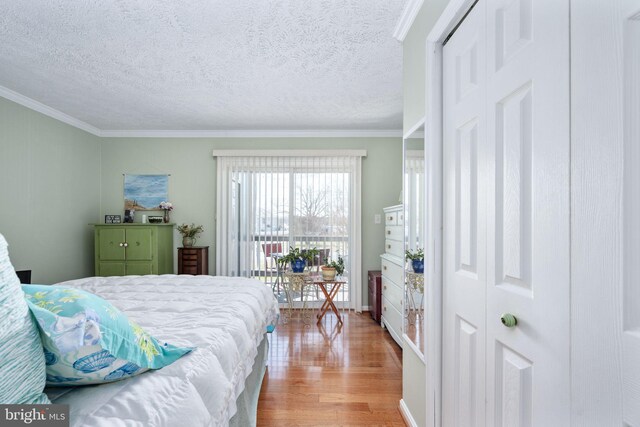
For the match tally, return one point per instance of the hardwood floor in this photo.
(326, 375)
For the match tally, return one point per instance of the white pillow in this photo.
(22, 366)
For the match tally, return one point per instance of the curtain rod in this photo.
(289, 153)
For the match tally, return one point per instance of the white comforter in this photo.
(224, 317)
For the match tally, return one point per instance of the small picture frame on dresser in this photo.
(112, 219)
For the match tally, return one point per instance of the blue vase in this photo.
(418, 265)
(298, 265)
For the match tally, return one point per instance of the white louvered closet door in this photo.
(507, 216)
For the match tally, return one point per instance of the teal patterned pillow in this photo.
(89, 341)
(22, 369)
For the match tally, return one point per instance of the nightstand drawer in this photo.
(193, 260)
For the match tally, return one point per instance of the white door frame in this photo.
(452, 15)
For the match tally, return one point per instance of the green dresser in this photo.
(133, 249)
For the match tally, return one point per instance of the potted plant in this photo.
(417, 259)
(189, 233)
(298, 258)
(330, 269)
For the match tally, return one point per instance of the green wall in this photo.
(57, 179)
(414, 61)
(192, 186)
(49, 192)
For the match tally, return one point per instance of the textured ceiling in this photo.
(207, 65)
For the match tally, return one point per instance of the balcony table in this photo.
(297, 282)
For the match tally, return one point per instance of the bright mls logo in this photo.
(34, 415)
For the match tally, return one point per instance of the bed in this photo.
(217, 384)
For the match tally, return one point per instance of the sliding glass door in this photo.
(278, 203)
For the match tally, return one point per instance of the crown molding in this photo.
(413, 132)
(416, 135)
(283, 133)
(336, 133)
(47, 111)
(409, 14)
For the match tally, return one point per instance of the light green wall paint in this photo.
(192, 186)
(49, 192)
(57, 179)
(414, 61)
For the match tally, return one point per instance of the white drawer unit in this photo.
(392, 262)
(393, 232)
(393, 293)
(394, 247)
(394, 217)
(391, 218)
(392, 320)
(392, 269)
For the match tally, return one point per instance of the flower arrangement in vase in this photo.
(417, 259)
(166, 207)
(189, 233)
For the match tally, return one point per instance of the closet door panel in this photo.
(528, 213)
(464, 225)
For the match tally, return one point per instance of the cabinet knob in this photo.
(126, 245)
(121, 245)
(384, 267)
(385, 308)
(385, 286)
(388, 246)
(388, 231)
(509, 320)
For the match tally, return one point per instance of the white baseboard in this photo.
(404, 410)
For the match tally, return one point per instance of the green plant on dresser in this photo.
(133, 249)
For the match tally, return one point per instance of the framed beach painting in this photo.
(145, 192)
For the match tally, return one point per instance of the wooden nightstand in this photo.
(193, 260)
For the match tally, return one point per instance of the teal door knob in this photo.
(509, 320)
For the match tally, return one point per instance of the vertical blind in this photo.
(268, 204)
(414, 190)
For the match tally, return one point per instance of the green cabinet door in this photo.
(111, 244)
(139, 244)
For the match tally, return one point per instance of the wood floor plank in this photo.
(332, 375)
